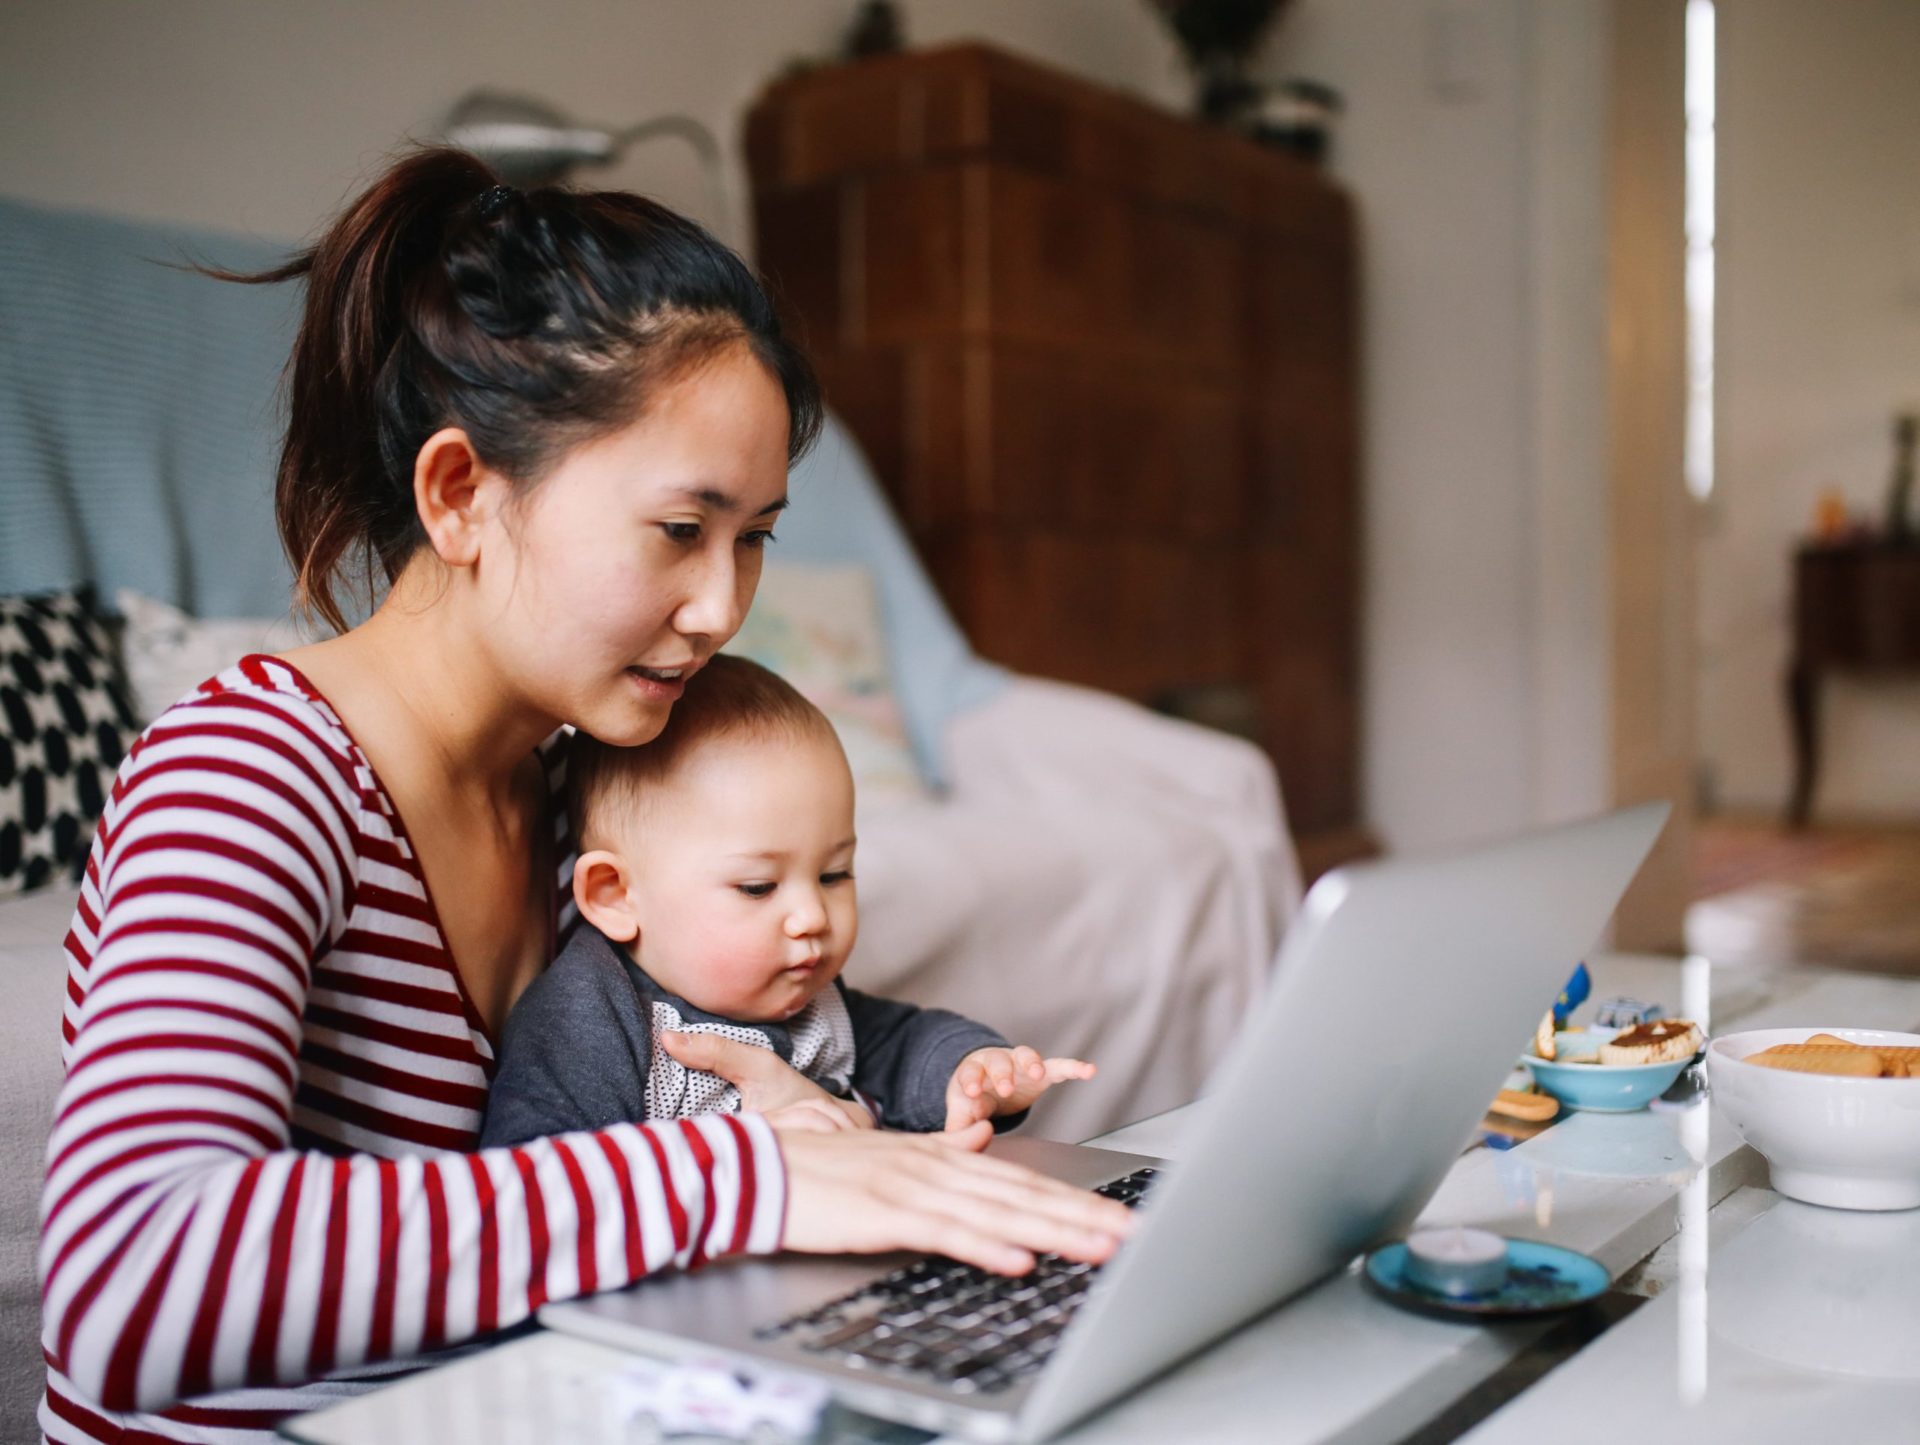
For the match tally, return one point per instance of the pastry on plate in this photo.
(1657, 1041)
(1543, 1037)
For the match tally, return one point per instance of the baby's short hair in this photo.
(727, 697)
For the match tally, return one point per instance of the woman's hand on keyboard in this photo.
(867, 1192)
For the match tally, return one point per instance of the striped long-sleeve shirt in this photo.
(263, 1186)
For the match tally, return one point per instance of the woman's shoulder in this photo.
(270, 687)
(254, 773)
(261, 711)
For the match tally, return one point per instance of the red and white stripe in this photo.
(262, 1193)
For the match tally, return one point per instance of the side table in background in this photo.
(1856, 608)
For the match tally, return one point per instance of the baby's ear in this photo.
(600, 888)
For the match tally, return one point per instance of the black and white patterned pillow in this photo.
(64, 726)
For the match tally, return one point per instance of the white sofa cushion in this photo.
(1100, 881)
(33, 977)
(168, 653)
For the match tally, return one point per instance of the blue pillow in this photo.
(839, 514)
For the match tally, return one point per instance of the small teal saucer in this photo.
(1541, 1278)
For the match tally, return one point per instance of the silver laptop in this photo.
(1401, 996)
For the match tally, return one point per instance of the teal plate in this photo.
(1541, 1279)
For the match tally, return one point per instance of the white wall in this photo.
(1475, 140)
(262, 116)
(1473, 143)
(1819, 344)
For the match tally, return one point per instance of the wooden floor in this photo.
(1842, 897)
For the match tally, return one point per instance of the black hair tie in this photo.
(491, 201)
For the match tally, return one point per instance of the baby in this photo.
(715, 885)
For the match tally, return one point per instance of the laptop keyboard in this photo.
(949, 1322)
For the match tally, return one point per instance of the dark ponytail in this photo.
(532, 320)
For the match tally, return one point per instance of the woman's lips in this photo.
(657, 689)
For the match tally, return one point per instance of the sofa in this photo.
(1086, 874)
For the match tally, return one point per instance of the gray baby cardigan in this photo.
(578, 1051)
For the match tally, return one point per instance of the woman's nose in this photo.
(714, 608)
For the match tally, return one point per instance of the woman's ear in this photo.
(600, 887)
(448, 495)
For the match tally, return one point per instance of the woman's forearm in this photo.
(175, 1267)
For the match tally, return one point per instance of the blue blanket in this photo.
(138, 419)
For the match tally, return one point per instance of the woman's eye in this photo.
(755, 890)
(682, 531)
(845, 875)
(758, 539)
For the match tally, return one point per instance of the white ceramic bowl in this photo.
(1846, 1143)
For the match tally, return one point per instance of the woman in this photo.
(561, 425)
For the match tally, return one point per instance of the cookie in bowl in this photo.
(1831, 1054)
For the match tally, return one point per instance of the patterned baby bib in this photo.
(822, 1035)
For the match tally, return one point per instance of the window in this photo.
(1699, 206)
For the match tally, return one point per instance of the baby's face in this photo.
(743, 882)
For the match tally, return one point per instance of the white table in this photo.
(1337, 1363)
(1778, 1321)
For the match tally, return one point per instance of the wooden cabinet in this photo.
(1104, 359)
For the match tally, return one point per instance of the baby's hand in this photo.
(1005, 1081)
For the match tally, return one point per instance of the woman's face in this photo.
(637, 557)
